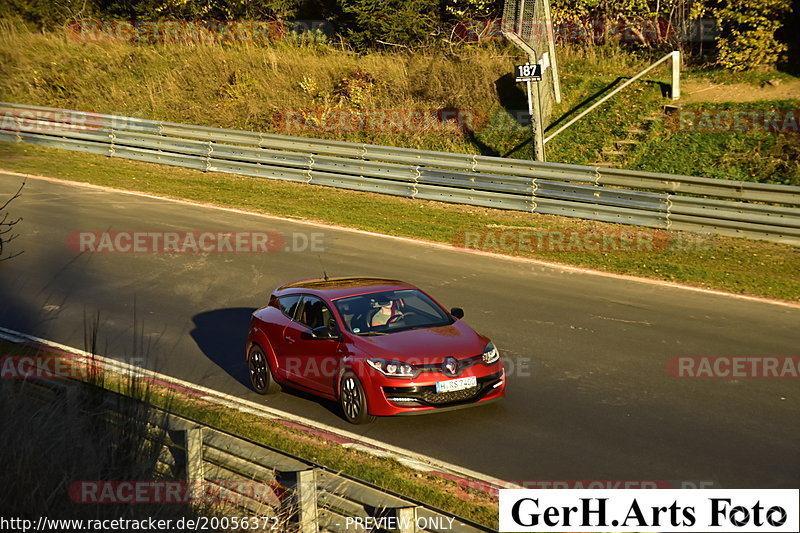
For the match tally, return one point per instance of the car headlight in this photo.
(490, 354)
(395, 369)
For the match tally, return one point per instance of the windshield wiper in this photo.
(373, 333)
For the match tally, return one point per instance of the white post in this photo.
(676, 75)
(407, 518)
(305, 489)
(551, 48)
(194, 454)
(535, 112)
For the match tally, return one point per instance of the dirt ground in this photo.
(705, 91)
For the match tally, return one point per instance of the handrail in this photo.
(676, 91)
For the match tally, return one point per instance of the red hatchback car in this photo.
(379, 347)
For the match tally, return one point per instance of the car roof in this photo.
(334, 288)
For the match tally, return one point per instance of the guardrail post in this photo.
(676, 75)
(407, 519)
(194, 454)
(209, 151)
(305, 491)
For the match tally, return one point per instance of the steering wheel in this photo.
(395, 318)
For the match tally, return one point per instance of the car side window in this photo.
(315, 313)
(288, 304)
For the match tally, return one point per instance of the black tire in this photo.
(260, 374)
(353, 401)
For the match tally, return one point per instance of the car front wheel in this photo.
(353, 400)
(260, 375)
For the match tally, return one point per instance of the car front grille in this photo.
(435, 398)
(427, 396)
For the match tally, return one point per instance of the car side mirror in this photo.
(324, 333)
(457, 312)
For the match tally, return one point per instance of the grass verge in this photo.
(722, 263)
(387, 473)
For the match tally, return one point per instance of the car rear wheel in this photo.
(260, 374)
(353, 401)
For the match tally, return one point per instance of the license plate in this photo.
(456, 384)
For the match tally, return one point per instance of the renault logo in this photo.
(450, 366)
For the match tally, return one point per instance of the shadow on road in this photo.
(222, 336)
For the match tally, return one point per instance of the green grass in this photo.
(583, 142)
(247, 86)
(737, 265)
(746, 156)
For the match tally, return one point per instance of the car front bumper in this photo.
(389, 397)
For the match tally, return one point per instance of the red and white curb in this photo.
(419, 462)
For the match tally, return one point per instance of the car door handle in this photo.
(288, 339)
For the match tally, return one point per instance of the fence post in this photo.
(676, 75)
(535, 111)
(305, 488)
(407, 519)
(194, 454)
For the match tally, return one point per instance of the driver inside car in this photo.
(384, 313)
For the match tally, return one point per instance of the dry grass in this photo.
(252, 87)
(246, 86)
(50, 443)
(53, 441)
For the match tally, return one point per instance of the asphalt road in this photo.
(588, 395)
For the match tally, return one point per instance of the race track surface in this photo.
(588, 394)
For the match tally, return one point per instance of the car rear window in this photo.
(288, 304)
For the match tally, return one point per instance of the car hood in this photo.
(431, 344)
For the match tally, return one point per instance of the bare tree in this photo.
(7, 225)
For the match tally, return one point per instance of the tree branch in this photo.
(7, 225)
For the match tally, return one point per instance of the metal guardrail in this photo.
(305, 497)
(662, 201)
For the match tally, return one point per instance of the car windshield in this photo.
(380, 313)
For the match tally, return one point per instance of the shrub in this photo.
(749, 27)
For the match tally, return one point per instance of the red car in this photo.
(379, 347)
